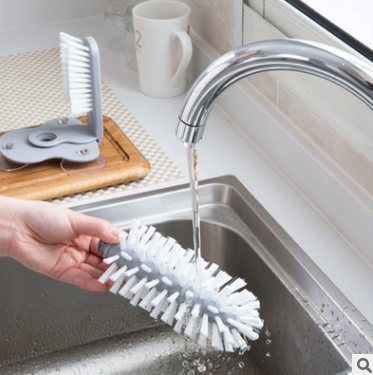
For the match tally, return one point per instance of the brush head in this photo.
(76, 74)
(80, 66)
(157, 274)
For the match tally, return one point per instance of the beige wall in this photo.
(214, 21)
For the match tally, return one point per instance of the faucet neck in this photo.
(322, 61)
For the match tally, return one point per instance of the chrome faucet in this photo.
(316, 59)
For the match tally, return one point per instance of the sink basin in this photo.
(47, 327)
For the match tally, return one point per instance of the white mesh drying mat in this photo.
(31, 93)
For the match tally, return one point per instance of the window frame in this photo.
(332, 28)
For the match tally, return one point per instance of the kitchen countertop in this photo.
(223, 151)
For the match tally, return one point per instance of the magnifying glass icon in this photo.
(363, 364)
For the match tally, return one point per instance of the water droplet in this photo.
(201, 367)
(268, 342)
(268, 354)
(185, 364)
(241, 365)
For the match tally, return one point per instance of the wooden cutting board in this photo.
(46, 180)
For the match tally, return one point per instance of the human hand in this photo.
(55, 241)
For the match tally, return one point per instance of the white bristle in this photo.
(228, 289)
(166, 280)
(168, 316)
(181, 311)
(210, 271)
(237, 284)
(253, 321)
(221, 279)
(228, 347)
(136, 294)
(188, 273)
(125, 255)
(240, 341)
(189, 329)
(147, 235)
(106, 275)
(111, 259)
(239, 298)
(213, 309)
(178, 326)
(202, 341)
(229, 309)
(216, 339)
(133, 233)
(205, 293)
(157, 307)
(246, 330)
(162, 266)
(163, 280)
(156, 301)
(220, 324)
(173, 297)
(146, 268)
(204, 325)
(115, 276)
(127, 286)
(117, 285)
(76, 68)
(145, 303)
(228, 338)
(139, 285)
(196, 309)
(132, 271)
(151, 284)
(154, 244)
(122, 241)
(142, 255)
(174, 256)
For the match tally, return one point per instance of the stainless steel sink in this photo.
(47, 327)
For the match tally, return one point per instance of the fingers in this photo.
(94, 227)
(83, 279)
(96, 262)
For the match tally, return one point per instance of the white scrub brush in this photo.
(158, 275)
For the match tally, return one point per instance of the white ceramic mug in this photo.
(163, 46)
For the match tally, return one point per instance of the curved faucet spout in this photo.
(332, 64)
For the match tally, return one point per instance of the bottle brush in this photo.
(157, 274)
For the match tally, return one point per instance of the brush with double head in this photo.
(66, 137)
(80, 65)
(158, 275)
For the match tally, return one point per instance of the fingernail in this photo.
(115, 233)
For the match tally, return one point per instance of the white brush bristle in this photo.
(159, 276)
(76, 74)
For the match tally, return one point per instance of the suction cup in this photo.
(83, 169)
(8, 165)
